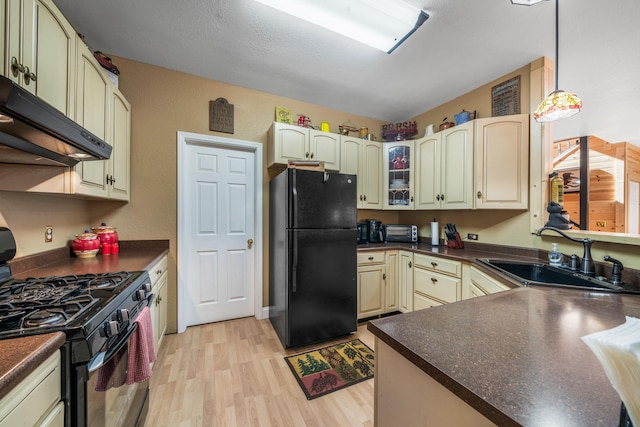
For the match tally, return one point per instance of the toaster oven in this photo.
(401, 233)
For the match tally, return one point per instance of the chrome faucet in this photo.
(586, 266)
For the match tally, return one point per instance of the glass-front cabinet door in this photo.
(398, 175)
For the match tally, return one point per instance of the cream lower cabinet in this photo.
(364, 159)
(502, 162)
(377, 283)
(36, 401)
(444, 177)
(371, 284)
(436, 281)
(290, 142)
(159, 278)
(405, 281)
(480, 283)
(391, 300)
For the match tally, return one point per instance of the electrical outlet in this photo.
(48, 234)
(601, 223)
(472, 236)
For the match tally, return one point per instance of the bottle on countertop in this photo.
(555, 256)
(557, 188)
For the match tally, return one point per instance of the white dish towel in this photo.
(618, 350)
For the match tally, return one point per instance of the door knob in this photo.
(250, 243)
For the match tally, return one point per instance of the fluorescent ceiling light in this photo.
(526, 2)
(382, 24)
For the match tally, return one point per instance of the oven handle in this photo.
(104, 356)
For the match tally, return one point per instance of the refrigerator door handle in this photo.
(294, 265)
(294, 197)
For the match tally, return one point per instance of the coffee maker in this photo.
(375, 231)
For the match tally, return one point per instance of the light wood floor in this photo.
(234, 374)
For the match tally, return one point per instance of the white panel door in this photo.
(219, 233)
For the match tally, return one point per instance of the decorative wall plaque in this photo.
(283, 115)
(221, 116)
(505, 98)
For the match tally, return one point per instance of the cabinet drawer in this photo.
(420, 302)
(34, 397)
(486, 284)
(366, 258)
(158, 270)
(434, 285)
(441, 265)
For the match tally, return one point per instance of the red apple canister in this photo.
(108, 238)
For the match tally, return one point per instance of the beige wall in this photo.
(164, 102)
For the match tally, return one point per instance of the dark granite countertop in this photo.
(20, 356)
(516, 356)
(133, 256)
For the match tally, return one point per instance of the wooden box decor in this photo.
(221, 116)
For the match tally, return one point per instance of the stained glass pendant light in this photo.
(558, 104)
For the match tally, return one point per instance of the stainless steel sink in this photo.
(538, 273)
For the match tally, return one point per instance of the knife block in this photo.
(457, 243)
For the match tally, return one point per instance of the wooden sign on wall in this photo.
(505, 98)
(221, 116)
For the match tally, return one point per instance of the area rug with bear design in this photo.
(327, 369)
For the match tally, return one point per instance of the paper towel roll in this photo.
(435, 233)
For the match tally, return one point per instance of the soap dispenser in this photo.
(555, 256)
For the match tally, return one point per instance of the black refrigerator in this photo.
(312, 256)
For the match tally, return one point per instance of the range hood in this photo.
(34, 132)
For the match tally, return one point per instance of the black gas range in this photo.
(97, 314)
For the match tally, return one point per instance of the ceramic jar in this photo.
(85, 245)
(108, 237)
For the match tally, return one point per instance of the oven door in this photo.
(109, 400)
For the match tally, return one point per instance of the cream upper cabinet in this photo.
(92, 112)
(445, 169)
(398, 175)
(502, 162)
(364, 159)
(39, 55)
(325, 146)
(290, 142)
(104, 111)
(3, 46)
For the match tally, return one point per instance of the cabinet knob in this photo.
(158, 272)
(307, 155)
(434, 264)
(370, 258)
(412, 198)
(438, 197)
(442, 197)
(434, 280)
(479, 194)
(365, 197)
(410, 264)
(16, 67)
(312, 155)
(361, 197)
(384, 276)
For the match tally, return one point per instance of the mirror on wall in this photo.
(601, 183)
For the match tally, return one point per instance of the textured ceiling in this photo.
(463, 45)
